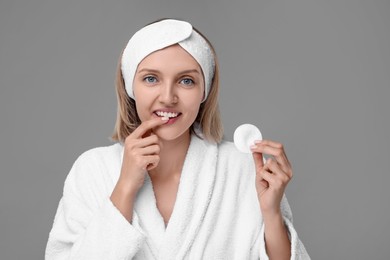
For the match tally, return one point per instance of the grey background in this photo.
(313, 75)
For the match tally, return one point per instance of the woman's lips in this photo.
(166, 113)
(171, 119)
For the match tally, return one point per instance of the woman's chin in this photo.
(167, 134)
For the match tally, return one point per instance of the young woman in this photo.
(170, 188)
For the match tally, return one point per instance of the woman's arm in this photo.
(276, 238)
(297, 251)
(272, 177)
(87, 225)
(141, 153)
(123, 198)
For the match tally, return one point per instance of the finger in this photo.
(278, 153)
(262, 181)
(147, 141)
(267, 175)
(275, 168)
(270, 143)
(276, 180)
(258, 158)
(267, 149)
(150, 150)
(151, 161)
(148, 125)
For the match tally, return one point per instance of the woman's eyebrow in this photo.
(180, 73)
(189, 71)
(148, 70)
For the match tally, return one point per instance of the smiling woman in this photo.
(170, 187)
(208, 118)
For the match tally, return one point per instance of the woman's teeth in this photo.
(167, 114)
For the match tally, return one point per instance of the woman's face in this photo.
(169, 82)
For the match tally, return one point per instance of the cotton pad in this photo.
(245, 136)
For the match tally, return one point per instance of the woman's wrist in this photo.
(124, 192)
(273, 218)
(123, 198)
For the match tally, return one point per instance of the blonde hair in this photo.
(208, 119)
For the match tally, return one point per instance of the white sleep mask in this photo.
(162, 34)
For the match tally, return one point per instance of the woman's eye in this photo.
(150, 79)
(187, 82)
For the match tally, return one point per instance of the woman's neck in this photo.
(172, 156)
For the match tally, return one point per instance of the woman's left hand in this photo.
(271, 177)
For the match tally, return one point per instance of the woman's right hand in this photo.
(141, 153)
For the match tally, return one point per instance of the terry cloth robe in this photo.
(216, 214)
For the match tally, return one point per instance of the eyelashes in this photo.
(150, 79)
(186, 81)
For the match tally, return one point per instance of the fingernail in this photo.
(165, 118)
(257, 141)
(253, 146)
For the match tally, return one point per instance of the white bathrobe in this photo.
(216, 213)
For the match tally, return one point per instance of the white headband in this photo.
(162, 34)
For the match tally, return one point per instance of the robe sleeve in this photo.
(87, 225)
(298, 251)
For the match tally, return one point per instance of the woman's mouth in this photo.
(167, 114)
(171, 115)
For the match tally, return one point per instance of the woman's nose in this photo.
(168, 94)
